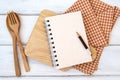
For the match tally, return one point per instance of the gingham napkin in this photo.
(99, 19)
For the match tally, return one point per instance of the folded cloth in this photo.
(99, 19)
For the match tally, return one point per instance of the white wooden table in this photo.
(109, 67)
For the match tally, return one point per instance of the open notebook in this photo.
(66, 48)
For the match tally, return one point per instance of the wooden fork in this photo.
(16, 60)
(14, 24)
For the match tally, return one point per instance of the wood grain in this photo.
(28, 22)
(38, 46)
(29, 10)
(16, 60)
(24, 57)
(14, 25)
(65, 78)
(109, 65)
(35, 7)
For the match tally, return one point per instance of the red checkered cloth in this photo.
(99, 19)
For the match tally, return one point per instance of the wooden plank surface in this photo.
(63, 78)
(28, 22)
(109, 67)
(34, 7)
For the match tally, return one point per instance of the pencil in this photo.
(81, 39)
(83, 42)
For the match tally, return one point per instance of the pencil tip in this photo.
(77, 33)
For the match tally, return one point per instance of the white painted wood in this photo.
(114, 38)
(64, 78)
(34, 7)
(109, 67)
(109, 64)
(27, 25)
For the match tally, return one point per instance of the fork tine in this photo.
(14, 21)
(15, 17)
(8, 23)
(9, 18)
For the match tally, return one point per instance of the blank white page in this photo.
(68, 49)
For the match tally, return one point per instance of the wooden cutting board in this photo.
(38, 46)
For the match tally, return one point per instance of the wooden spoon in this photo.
(16, 61)
(14, 24)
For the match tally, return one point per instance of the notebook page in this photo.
(68, 49)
